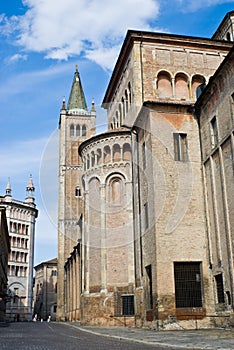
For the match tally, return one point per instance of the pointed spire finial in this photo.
(77, 67)
(93, 106)
(8, 188)
(63, 104)
(30, 188)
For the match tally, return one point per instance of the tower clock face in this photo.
(77, 79)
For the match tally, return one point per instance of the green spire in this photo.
(77, 97)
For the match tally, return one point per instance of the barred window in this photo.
(188, 292)
(127, 305)
(219, 288)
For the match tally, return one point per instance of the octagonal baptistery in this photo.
(107, 291)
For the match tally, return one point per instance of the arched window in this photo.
(72, 130)
(83, 130)
(77, 191)
(199, 90)
(116, 153)
(107, 154)
(99, 156)
(78, 130)
(198, 85)
(228, 36)
(92, 159)
(126, 152)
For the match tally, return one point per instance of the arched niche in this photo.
(164, 86)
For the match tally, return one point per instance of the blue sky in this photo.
(40, 44)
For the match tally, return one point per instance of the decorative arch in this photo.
(115, 184)
(181, 86)
(164, 86)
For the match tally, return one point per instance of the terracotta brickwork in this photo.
(155, 225)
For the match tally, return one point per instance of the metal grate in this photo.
(219, 287)
(188, 291)
(127, 305)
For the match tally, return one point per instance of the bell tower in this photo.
(76, 124)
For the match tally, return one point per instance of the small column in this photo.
(121, 153)
(173, 86)
(190, 90)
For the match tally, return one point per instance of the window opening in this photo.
(199, 90)
(219, 288)
(83, 130)
(150, 286)
(188, 292)
(72, 130)
(78, 130)
(77, 192)
(214, 132)
(127, 305)
(180, 146)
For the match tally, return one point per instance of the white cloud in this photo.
(61, 29)
(194, 5)
(17, 57)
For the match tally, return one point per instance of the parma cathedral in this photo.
(146, 208)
